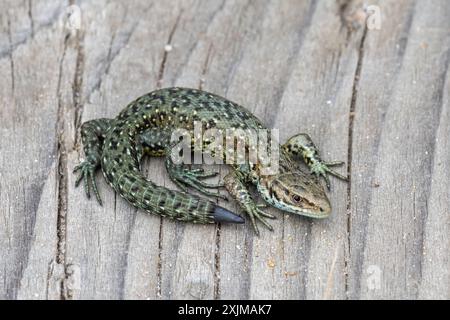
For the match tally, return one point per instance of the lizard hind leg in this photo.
(236, 186)
(158, 143)
(302, 146)
(92, 135)
(184, 177)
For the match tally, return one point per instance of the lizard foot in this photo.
(87, 171)
(185, 177)
(320, 168)
(256, 213)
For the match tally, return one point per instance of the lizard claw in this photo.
(185, 177)
(87, 171)
(257, 214)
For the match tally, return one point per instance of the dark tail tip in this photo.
(224, 215)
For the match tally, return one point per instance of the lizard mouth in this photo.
(313, 214)
(309, 203)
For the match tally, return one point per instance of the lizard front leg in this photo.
(235, 185)
(92, 135)
(302, 146)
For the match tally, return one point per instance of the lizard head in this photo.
(296, 192)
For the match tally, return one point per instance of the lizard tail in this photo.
(120, 166)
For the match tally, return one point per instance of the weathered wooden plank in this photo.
(320, 70)
(115, 250)
(29, 179)
(305, 66)
(396, 184)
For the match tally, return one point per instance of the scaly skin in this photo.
(145, 127)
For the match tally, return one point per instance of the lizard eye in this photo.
(296, 198)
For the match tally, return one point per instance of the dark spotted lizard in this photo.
(145, 126)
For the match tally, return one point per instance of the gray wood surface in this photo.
(378, 99)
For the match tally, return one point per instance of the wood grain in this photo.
(378, 99)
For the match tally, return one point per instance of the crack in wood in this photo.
(30, 16)
(159, 264)
(344, 7)
(240, 53)
(29, 35)
(165, 54)
(350, 147)
(111, 56)
(272, 113)
(62, 197)
(441, 89)
(13, 81)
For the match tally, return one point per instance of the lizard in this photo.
(145, 126)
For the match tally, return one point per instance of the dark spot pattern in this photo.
(145, 126)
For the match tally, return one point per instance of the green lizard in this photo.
(145, 127)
